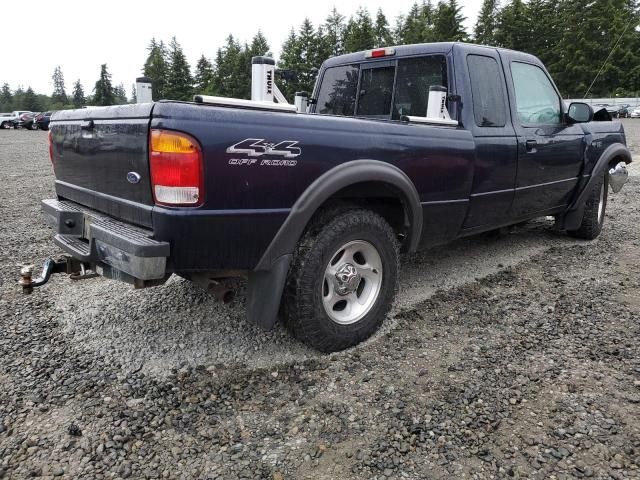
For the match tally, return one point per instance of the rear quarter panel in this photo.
(439, 160)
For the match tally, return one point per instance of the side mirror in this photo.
(579, 113)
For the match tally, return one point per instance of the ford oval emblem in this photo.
(133, 177)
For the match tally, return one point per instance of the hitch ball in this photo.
(26, 280)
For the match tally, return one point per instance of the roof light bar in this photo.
(380, 52)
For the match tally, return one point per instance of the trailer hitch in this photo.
(69, 265)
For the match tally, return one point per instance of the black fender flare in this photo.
(572, 217)
(266, 281)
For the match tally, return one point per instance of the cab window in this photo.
(414, 77)
(337, 95)
(537, 102)
(385, 89)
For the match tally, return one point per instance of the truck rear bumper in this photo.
(113, 247)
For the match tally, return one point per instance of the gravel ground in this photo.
(505, 356)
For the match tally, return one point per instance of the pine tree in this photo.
(30, 101)
(333, 35)
(156, 68)
(134, 94)
(6, 98)
(513, 26)
(588, 40)
(309, 51)
(259, 45)
(204, 76)
(225, 80)
(381, 32)
(120, 95)
(18, 99)
(417, 26)
(486, 24)
(59, 96)
(290, 60)
(448, 22)
(359, 34)
(103, 91)
(78, 99)
(179, 81)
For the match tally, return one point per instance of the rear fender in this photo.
(266, 282)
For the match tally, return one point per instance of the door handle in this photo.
(531, 145)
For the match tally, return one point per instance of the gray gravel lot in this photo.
(505, 356)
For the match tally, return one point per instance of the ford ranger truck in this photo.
(314, 208)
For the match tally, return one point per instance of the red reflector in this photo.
(380, 52)
(175, 160)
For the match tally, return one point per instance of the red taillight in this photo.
(175, 160)
(50, 137)
(380, 52)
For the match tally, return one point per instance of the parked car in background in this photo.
(14, 119)
(635, 113)
(25, 120)
(624, 111)
(5, 120)
(42, 120)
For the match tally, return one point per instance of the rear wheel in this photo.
(594, 210)
(342, 280)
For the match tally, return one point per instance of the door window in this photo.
(487, 90)
(337, 95)
(536, 100)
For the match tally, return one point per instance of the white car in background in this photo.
(635, 113)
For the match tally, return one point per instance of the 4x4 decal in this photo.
(256, 147)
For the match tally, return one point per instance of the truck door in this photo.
(549, 149)
(487, 115)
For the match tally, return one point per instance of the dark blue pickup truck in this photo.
(314, 208)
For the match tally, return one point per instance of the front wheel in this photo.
(342, 280)
(594, 210)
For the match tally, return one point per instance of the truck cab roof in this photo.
(420, 49)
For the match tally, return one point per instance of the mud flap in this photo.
(264, 292)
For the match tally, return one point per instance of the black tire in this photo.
(594, 214)
(303, 309)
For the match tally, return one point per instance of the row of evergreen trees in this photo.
(104, 93)
(571, 38)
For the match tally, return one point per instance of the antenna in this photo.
(608, 57)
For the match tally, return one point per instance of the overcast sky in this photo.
(80, 36)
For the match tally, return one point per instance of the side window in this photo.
(376, 89)
(415, 76)
(536, 100)
(337, 95)
(487, 90)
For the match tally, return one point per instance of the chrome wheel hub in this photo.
(352, 282)
(347, 279)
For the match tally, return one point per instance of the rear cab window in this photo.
(386, 89)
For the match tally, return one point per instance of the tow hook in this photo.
(75, 268)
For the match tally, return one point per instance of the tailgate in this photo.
(100, 159)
